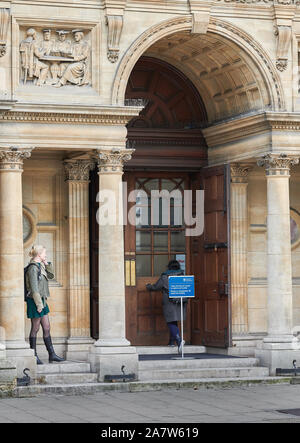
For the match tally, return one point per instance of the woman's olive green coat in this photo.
(39, 288)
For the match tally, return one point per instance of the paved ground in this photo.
(238, 404)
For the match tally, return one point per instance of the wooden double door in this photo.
(154, 234)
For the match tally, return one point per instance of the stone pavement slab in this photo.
(244, 404)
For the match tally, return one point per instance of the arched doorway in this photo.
(188, 81)
(170, 149)
(170, 155)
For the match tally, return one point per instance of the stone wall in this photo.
(115, 33)
(45, 205)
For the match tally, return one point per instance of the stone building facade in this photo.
(93, 92)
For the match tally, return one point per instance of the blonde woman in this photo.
(37, 274)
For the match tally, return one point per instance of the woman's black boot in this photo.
(32, 342)
(52, 356)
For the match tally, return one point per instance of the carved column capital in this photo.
(112, 161)
(78, 170)
(12, 158)
(4, 22)
(278, 164)
(239, 172)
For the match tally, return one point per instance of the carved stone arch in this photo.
(137, 49)
(263, 69)
(257, 55)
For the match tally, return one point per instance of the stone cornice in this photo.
(284, 121)
(230, 131)
(154, 5)
(262, 2)
(6, 105)
(104, 118)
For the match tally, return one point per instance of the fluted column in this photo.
(77, 178)
(239, 248)
(11, 257)
(279, 345)
(112, 350)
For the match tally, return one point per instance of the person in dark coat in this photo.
(171, 307)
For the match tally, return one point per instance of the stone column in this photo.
(280, 347)
(77, 178)
(8, 370)
(112, 350)
(12, 260)
(239, 249)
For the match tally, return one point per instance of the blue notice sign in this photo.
(181, 286)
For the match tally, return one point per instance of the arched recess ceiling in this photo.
(172, 100)
(169, 127)
(227, 79)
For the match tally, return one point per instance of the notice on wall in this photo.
(181, 259)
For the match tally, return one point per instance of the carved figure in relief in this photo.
(55, 62)
(77, 72)
(62, 48)
(47, 43)
(31, 53)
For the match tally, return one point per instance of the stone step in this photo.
(143, 386)
(197, 363)
(64, 367)
(67, 378)
(201, 373)
(190, 349)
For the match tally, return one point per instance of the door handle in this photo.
(130, 275)
(222, 288)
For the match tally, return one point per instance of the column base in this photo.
(103, 342)
(21, 356)
(78, 348)
(109, 360)
(278, 352)
(2, 351)
(8, 376)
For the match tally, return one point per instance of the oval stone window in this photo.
(29, 227)
(295, 230)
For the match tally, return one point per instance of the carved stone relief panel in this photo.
(55, 56)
